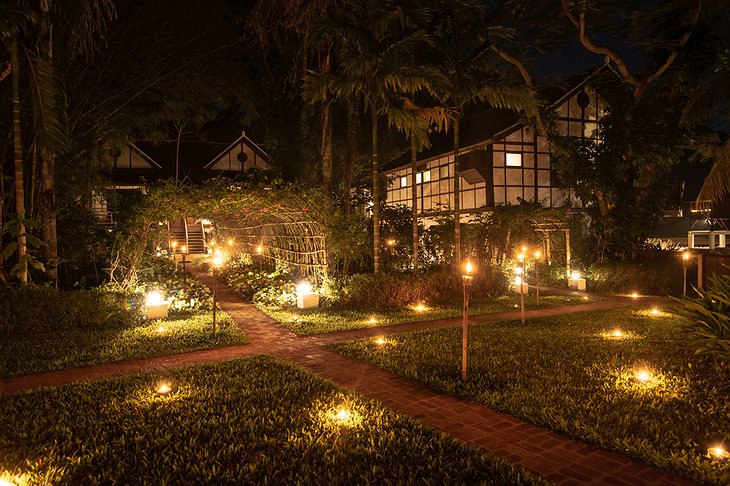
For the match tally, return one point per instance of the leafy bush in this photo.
(259, 287)
(31, 309)
(708, 330)
(277, 426)
(383, 290)
(654, 276)
(185, 295)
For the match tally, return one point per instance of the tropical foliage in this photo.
(708, 316)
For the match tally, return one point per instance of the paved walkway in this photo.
(550, 455)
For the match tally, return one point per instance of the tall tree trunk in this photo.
(48, 207)
(414, 200)
(18, 160)
(352, 127)
(457, 197)
(376, 189)
(2, 214)
(177, 155)
(326, 145)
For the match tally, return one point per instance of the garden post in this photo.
(522, 287)
(467, 279)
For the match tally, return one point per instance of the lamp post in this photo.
(521, 258)
(217, 262)
(184, 251)
(259, 251)
(174, 258)
(685, 259)
(467, 279)
(537, 254)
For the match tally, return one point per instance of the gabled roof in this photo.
(242, 139)
(144, 156)
(484, 124)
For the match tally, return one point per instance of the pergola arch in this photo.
(286, 220)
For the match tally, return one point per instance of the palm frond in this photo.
(15, 18)
(45, 88)
(518, 98)
(717, 182)
(708, 102)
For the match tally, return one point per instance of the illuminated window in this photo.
(404, 181)
(444, 171)
(424, 176)
(514, 160)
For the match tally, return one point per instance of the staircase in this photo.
(186, 232)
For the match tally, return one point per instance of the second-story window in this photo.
(513, 160)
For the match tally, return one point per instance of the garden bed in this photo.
(250, 421)
(323, 320)
(570, 373)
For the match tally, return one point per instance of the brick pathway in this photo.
(546, 453)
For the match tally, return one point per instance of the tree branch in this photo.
(640, 84)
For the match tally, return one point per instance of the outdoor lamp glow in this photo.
(155, 305)
(304, 288)
(259, 249)
(518, 280)
(655, 311)
(342, 414)
(154, 298)
(305, 297)
(230, 241)
(163, 389)
(634, 295)
(643, 376)
(390, 242)
(420, 307)
(575, 275)
(718, 453)
(618, 333)
(685, 256)
(538, 254)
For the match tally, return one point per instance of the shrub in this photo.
(656, 276)
(33, 309)
(708, 330)
(259, 287)
(185, 296)
(399, 290)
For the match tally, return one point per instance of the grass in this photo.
(55, 350)
(251, 421)
(570, 373)
(323, 320)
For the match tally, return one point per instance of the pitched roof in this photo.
(484, 124)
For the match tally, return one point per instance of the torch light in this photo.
(685, 259)
(467, 280)
(521, 259)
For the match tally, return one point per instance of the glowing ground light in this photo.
(164, 389)
(380, 340)
(575, 275)
(160, 329)
(654, 311)
(643, 376)
(372, 320)
(634, 295)
(342, 414)
(617, 333)
(154, 298)
(585, 297)
(420, 307)
(718, 454)
(390, 242)
(5, 482)
(259, 249)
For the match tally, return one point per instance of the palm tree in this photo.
(703, 106)
(373, 38)
(13, 19)
(467, 66)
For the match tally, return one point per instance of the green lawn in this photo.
(73, 348)
(322, 320)
(251, 421)
(571, 374)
